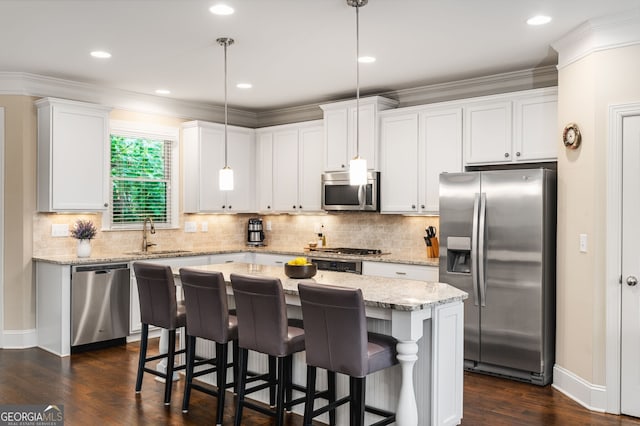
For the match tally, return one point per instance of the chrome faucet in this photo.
(152, 229)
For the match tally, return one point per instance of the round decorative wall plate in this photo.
(571, 136)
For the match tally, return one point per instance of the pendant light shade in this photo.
(357, 166)
(225, 177)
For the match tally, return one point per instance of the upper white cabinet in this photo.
(203, 157)
(73, 153)
(291, 181)
(418, 144)
(515, 127)
(340, 132)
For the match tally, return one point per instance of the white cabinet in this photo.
(516, 127)
(73, 156)
(400, 270)
(203, 157)
(340, 132)
(264, 172)
(296, 167)
(417, 145)
(272, 259)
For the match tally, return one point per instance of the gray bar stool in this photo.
(158, 307)
(337, 340)
(263, 327)
(205, 296)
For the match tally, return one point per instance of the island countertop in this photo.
(381, 292)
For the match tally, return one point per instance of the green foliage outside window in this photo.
(140, 179)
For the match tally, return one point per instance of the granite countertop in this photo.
(70, 259)
(381, 292)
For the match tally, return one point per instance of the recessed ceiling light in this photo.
(221, 9)
(163, 92)
(100, 54)
(244, 85)
(366, 59)
(539, 20)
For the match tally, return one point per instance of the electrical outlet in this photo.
(204, 226)
(59, 230)
(190, 227)
(268, 225)
(583, 243)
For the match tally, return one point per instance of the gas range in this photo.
(342, 265)
(348, 250)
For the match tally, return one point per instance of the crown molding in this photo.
(604, 33)
(19, 83)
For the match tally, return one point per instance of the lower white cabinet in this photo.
(272, 259)
(401, 270)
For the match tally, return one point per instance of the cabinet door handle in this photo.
(422, 206)
(300, 207)
(268, 207)
(229, 206)
(413, 206)
(401, 273)
(106, 204)
(278, 262)
(518, 154)
(294, 206)
(506, 155)
(228, 261)
(224, 206)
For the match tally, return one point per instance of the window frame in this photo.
(146, 131)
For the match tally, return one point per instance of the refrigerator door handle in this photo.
(481, 249)
(474, 248)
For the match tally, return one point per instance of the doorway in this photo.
(623, 262)
(1, 227)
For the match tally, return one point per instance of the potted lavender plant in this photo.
(84, 231)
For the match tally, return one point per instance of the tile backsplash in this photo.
(400, 235)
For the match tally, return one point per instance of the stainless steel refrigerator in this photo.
(498, 243)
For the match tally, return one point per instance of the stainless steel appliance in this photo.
(497, 236)
(255, 233)
(351, 266)
(338, 194)
(99, 303)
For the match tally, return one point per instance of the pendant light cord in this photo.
(225, 104)
(357, 81)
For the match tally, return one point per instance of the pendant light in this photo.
(357, 166)
(225, 177)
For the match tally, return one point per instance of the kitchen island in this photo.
(425, 317)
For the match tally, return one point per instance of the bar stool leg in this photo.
(144, 340)
(221, 378)
(331, 387)
(168, 384)
(357, 387)
(190, 357)
(236, 369)
(281, 391)
(272, 381)
(310, 397)
(288, 380)
(241, 384)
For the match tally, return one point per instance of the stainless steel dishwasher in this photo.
(100, 301)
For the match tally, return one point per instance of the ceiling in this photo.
(294, 52)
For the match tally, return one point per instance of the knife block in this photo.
(433, 251)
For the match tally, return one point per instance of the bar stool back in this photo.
(263, 327)
(337, 340)
(158, 307)
(205, 295)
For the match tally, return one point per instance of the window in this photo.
(143, 176)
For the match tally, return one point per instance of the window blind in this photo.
(140, 180)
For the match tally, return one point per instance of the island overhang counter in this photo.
(425, 317)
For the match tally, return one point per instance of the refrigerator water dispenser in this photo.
(459, 255)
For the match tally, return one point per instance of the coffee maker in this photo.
(255, 234)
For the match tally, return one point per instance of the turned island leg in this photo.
(407, 412)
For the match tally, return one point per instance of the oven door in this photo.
(339, 195)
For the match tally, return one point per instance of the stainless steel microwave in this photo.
(339, 195)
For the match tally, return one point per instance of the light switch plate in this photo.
(190, 227)
(268, 225)
(204, 226)
(583, 243)
(59, 230)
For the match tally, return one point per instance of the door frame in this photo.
(2, 129)
(613, 265)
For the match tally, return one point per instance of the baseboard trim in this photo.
(593, 397)
(20, 339)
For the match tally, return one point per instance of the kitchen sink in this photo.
(152, 252)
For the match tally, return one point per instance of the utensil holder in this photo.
(433, 251)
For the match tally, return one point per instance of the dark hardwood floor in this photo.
(97, 387)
